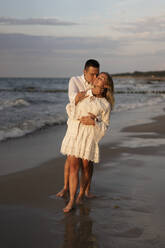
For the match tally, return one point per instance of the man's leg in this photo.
(64, 191)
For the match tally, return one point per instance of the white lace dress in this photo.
(81, 140)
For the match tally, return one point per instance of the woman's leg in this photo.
(86, 175)
(64, 191)
(73, 181)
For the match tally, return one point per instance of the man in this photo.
(77, 90)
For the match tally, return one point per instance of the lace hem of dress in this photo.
(95, 160)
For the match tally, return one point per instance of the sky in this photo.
(54, 38)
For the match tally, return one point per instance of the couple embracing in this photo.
(91, 101)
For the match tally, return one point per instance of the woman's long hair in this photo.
(109, 90)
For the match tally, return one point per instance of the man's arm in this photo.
(74, 93)
(87, 120)
(72, 89)
(80, 96)
(76, 96)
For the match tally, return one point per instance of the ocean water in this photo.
(29, 104)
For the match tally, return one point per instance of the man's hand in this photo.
(87, 120)
(92, 116)
(80, 96)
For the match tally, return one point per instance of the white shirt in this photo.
(76, 85)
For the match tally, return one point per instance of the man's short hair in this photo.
(91, 62)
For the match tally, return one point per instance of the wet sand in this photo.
(129, 184)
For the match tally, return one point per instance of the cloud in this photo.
(160, 52)
(28, 55)
(144, 25)
(50, 43)
(34, 21)
(51, 56)
(70, 47)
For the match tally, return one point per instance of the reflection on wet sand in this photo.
(78, 229)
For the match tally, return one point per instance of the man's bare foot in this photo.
(68, 207)
(62, 193)
(79, 200)
(90, 195)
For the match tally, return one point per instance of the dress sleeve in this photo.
(70, 109)
(101, 124)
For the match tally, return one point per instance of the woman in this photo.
(81, 140)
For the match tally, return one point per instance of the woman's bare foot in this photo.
(68, 207)
(62, 193)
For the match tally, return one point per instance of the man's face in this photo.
(91, 74)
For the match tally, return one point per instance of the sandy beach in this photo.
(128, 210)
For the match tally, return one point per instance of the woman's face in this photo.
(99, 83)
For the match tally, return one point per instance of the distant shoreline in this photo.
(148, 78)
(149, 75)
